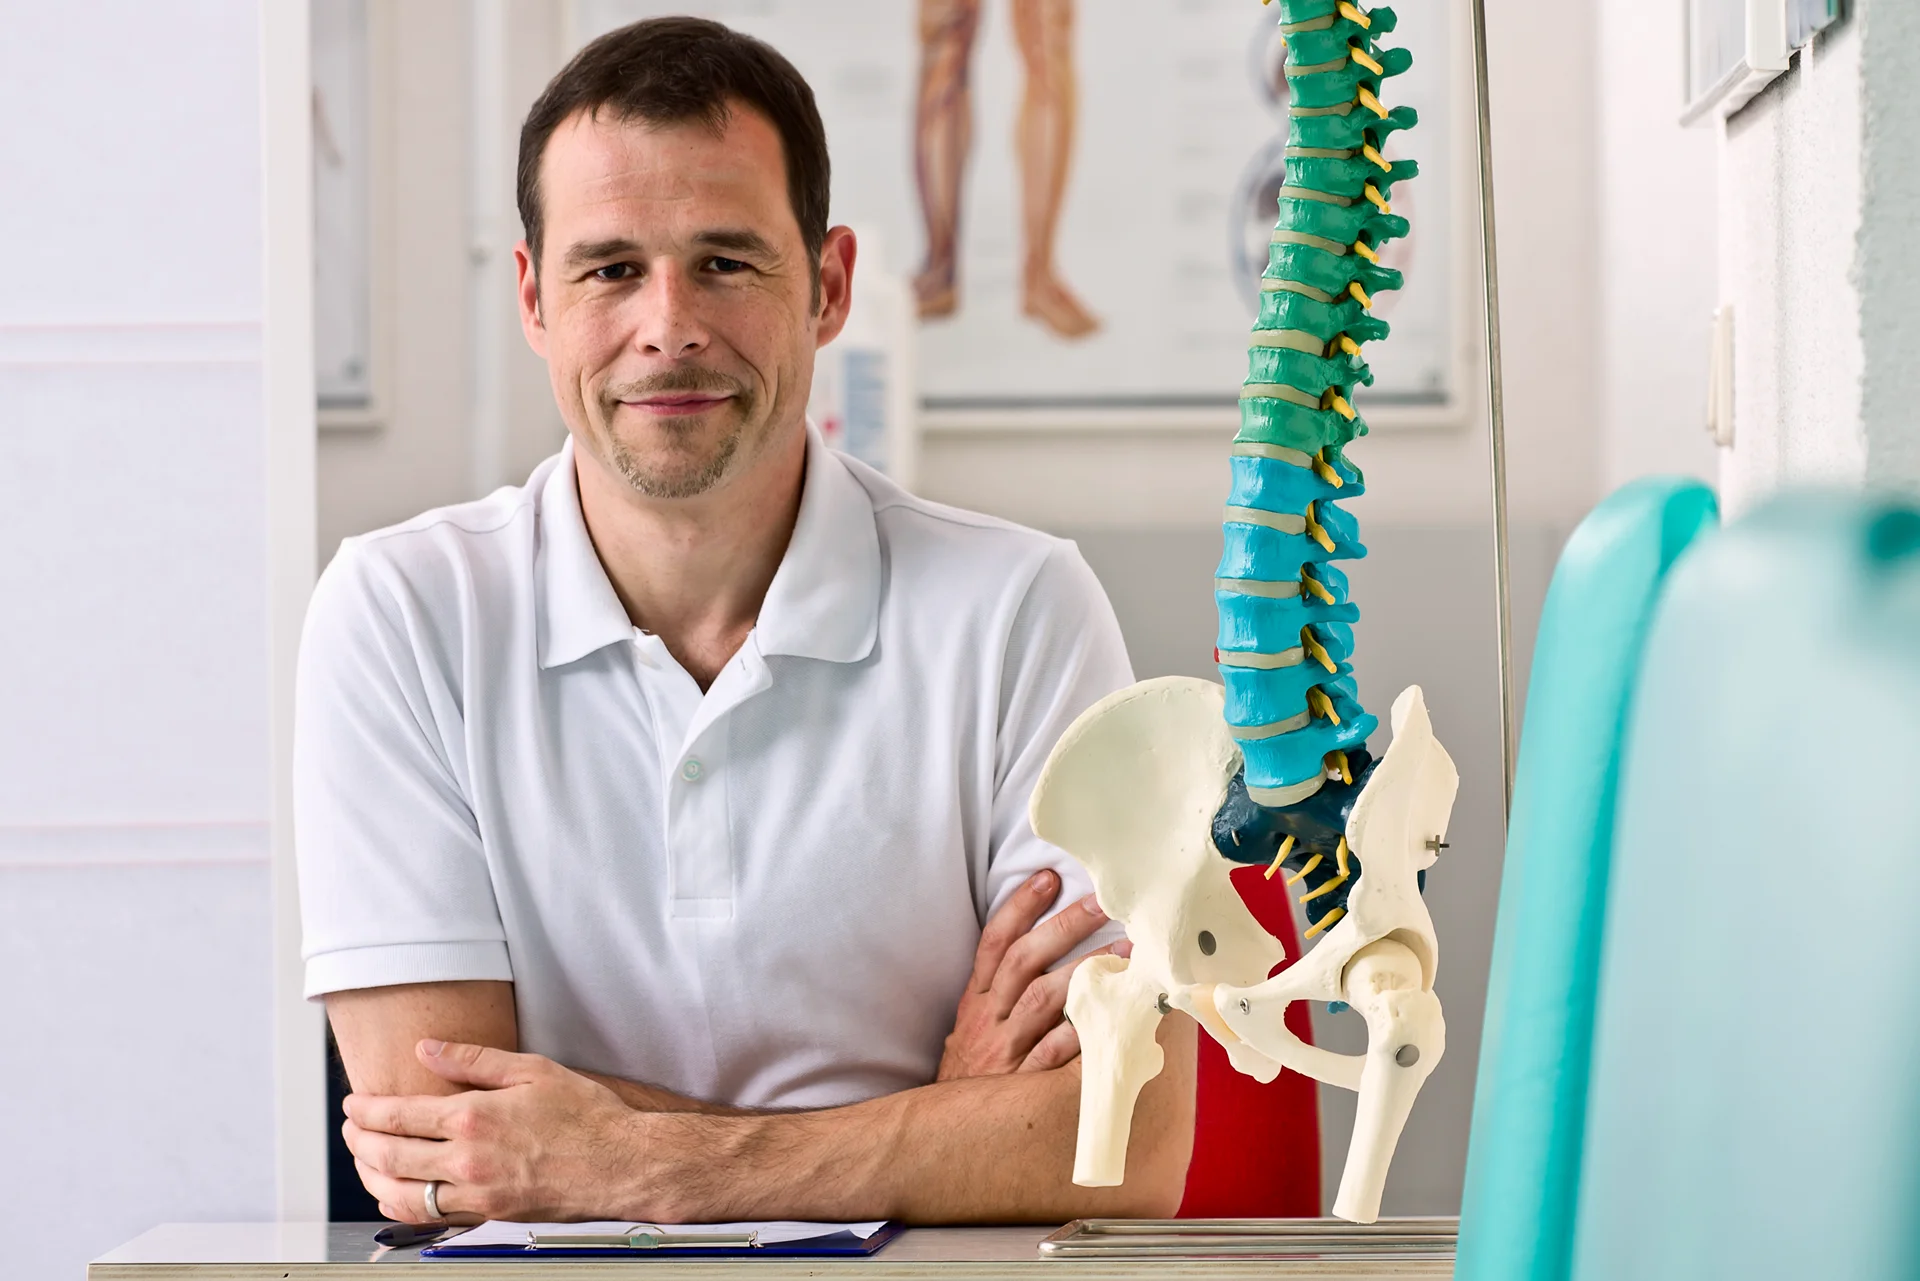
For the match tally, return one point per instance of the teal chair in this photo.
(1704, 1025)
(1530, 1097)
(1754, 1110)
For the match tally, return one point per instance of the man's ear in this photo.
(836, 284)
(527, 288)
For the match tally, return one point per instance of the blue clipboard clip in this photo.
(643, 1236)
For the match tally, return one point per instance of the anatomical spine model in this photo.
(1160, 788)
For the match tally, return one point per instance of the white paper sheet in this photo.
(775, 1232)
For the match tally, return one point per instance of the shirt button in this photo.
(692, 770)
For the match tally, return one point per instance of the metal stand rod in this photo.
(1496, 407)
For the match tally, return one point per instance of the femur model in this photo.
(1161, 788)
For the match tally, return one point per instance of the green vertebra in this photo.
(1332, 85)
(1342, 224)
(1280, 422)
(1347, 177)
(1349, 130)
(1308, 373)
(1330, 273)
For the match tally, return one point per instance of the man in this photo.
(697, 764)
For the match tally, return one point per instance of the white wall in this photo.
(439, 261)
(417, 451)
(136, 733)
(1789, 217)
(1819, 180)
(1658, 274)
(1887, 262)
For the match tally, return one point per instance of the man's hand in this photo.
(533, 1141)
(1010, 1015)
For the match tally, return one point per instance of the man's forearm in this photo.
(378, 1028)
(652, 1098)
(981, 1149)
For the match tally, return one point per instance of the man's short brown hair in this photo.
(673, 70)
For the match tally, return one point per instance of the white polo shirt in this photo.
(768, 894)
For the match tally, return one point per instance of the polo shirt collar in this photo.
(824, 602)
(825, 599)
(579, 610)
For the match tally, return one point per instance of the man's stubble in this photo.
(692, 476)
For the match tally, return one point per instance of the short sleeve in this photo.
(1064, 654)
(394, 883)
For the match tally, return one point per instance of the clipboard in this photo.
(655, 1244)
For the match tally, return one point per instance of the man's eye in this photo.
(614, 271)
(726, 266)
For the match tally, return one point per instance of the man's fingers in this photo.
(402, 1200)
(1037, 1010)
(405, 1200)
(420, 1116)
(480, 1065)
(1041, 1007)
(396, 1157)
(1010, 924)
(1056, 1049)
(1043, 945)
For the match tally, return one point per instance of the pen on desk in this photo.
(399, 1235)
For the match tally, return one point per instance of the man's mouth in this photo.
(676, 404)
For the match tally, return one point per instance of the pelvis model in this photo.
(1161, 788)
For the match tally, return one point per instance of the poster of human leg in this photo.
(1082, 193)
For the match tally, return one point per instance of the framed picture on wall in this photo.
(1081, 194)
(349, 316)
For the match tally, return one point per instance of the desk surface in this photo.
(343, 1251)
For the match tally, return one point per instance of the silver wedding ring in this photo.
(432, 1197)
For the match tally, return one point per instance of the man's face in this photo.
(674, 301)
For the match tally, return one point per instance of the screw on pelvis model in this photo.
(1161, 788)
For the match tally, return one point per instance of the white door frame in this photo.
(286, 135)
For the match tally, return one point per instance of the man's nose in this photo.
(670, 321)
